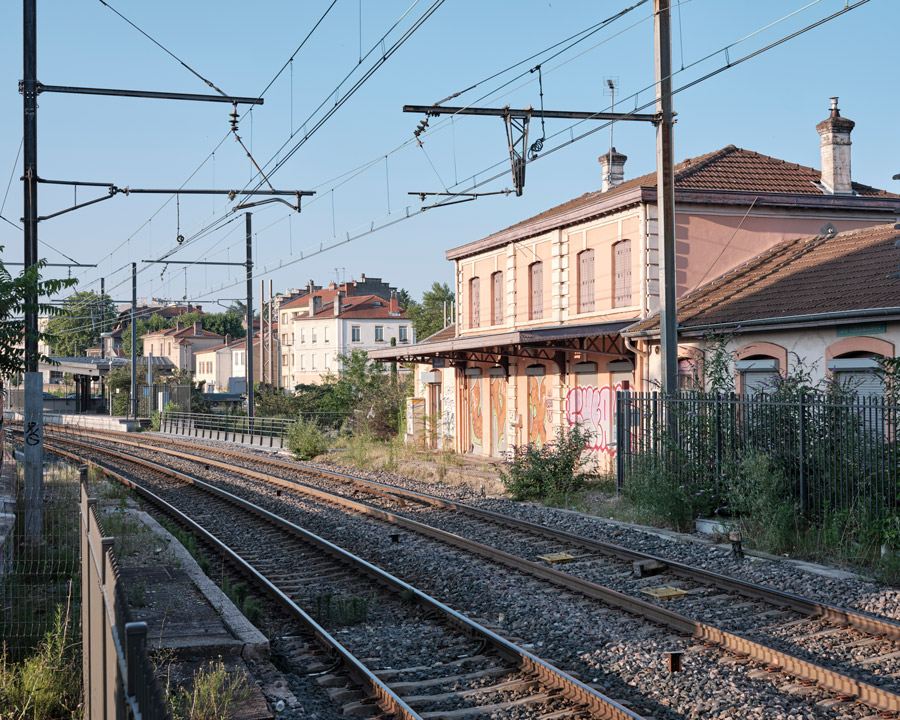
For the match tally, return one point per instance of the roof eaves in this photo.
(602, 205)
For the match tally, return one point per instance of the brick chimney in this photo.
(835, 147)
(613, 164)
(395, 304)
(338, 296)
(315, 304)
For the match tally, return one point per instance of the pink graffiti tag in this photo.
(594, 409)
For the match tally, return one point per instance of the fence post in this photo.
(801, 440)
(621, 439)
(135, 644)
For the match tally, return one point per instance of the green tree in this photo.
(13, 294)
(226, 323)
(77, 327)
(428, 316)
(143, 327)
(271, 401)
(405, 300)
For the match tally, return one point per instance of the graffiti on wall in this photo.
(537, 410)
(498, 415)
(475, 417)
(448, 414)
(594, 408)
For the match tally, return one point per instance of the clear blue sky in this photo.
(769, 104)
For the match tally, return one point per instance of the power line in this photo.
(162, 47)
(347, 238)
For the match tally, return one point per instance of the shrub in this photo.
(305, 439)
(535, 472)
(760, 496)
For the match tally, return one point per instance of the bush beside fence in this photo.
(823, 461)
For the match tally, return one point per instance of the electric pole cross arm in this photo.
(150, 94)
(516, 122)
(438, 110)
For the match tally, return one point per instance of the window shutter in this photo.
(622, 259)
(498, 298)
(475, 302)
(586, 284)
(537, 295)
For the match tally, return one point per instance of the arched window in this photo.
(536, 290)
(757, 365)
(622, 274)
(586, 281)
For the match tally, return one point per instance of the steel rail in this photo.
(597, 703)
(359, 672)
(804, 670)
(832, 613)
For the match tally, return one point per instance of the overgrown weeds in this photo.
(47, 684)
(552, 471)
(213, 695)
(350, 610)
(306, 439)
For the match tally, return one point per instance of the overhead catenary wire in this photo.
(322, 246)
(335, 242)
(162, 47)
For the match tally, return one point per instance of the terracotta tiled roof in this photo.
(804, 276)
(362, 307)
(447, 333)
(731, 169)
(187, 332)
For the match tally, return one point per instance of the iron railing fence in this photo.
(240, 428)
(151, 398)
(835, 455)
(119, 678)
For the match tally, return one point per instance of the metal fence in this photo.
(119, 679)
(262, 431)
(38, 577)
(835, 455)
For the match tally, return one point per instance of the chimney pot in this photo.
(834, 132)
(613, 168)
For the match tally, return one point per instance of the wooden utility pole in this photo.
(665, 198)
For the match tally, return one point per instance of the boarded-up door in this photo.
(498, 415)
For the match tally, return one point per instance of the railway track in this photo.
(870, 639)
(420, 659)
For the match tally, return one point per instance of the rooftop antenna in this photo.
(611, 84)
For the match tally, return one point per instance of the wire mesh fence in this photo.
(41, 577)
(833, 455)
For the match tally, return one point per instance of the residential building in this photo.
(542, 305)
(300, 306)
(180, 344)
(326, 332)
(214, 367)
